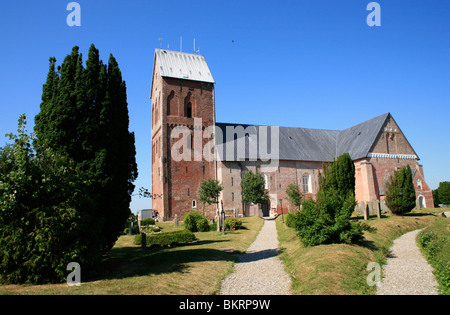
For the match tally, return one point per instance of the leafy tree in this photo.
(84, 116)
(46, 214)
(294, 195)
(253, 188)
(209, 192)
(444, 193)
(400, 194)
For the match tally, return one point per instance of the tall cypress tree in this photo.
(84, 116)
(48, 91)
(409, 192)
(118, 165)
(400, 194)
(340, 176)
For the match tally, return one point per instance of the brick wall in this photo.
(176, 103)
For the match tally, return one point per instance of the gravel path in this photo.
(406, 271)
(259, 271)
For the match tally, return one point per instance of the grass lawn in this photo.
(194, 269)
(339, 268)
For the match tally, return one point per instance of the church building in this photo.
(188, 146)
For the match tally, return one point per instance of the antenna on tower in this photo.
(196, 51)
(160, 42)
(181, 44)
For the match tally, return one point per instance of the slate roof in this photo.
(301, 144)
(181, 65)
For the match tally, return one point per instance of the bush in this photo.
(292, 218)
(191, 222)
(202, 225)
(47, 219)
(167, 239)
(233, 224)
(146, 222)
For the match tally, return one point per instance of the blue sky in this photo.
(312, 64)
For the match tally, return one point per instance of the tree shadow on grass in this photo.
(257, 255)
(124, 262)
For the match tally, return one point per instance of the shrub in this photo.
(292, 218)
(167, 239)
(190, 222)
(233, 224)
(47, 219)
(202, 225)
(146, 222)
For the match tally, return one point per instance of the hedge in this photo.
(166, 239)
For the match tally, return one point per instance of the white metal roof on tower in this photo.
(174, 64)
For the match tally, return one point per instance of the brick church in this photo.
(188, 146)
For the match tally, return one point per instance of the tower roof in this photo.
(174, 64)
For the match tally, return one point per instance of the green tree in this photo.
(444, 193)
(209, 192)
(327, 220)
(409, 192)
(253, 188)
(400, 194)
(436, 197)
(84, 116)
(294, 195)
(339, 176)
(46, 216)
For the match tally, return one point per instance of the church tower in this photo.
(182, 95)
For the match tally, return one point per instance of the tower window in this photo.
(194, 204)
(189, 110)
(188, 105)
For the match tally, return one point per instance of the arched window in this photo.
(188, 107)
(189, 110)
(194, 204)
(172, 104)
(169, 100)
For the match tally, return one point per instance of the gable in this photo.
(391, 140)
